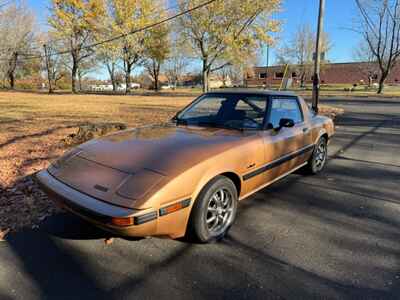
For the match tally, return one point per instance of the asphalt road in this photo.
(335, 235)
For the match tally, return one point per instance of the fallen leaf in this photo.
(108, 241)
(3, 234)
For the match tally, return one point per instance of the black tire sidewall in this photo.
(198, 223)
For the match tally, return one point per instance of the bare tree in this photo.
(17, 25)
(176, 65)
(367, 62)
(379, 25)
(53, 64)
(300, 50)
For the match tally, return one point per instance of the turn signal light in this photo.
(174, 207)
(122, 221)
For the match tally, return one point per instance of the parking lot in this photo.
(335, 235)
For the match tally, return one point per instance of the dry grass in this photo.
(32, 126)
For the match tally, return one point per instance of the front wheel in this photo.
(214, 210)
(318, 159)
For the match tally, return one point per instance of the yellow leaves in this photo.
(229, 28)
(130, 15)
(69, 16)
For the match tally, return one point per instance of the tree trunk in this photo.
(73, 76)
(11, 80)
(156, 69)
(128, 77)
(382, 80)
(80, 80)
(114, 83)
(111, 72)
(303, 80)
(11, 70)
(206, 73)
(48, 68)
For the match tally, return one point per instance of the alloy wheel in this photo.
(219, 212)
(320, 156)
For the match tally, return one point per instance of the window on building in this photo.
(262, 75)
(279, 75)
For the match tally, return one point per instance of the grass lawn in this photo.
(32, 126)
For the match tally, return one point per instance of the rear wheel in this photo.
(214, 210)
(319, 157)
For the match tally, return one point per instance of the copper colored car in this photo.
(188, 176)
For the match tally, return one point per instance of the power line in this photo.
(96, 44)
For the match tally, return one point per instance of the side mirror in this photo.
(286, 123)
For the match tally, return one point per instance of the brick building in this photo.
(331, 73)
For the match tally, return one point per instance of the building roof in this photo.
(325, 63)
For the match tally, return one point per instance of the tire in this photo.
(211, 217)
(318, 159)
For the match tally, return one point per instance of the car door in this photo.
(285, 148)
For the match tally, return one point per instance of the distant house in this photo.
(331, 73)
(190, 80)
(132, 85)
(147, 81)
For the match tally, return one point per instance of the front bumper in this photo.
(96, 211)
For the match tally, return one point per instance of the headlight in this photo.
(139, 184)
(65, 158)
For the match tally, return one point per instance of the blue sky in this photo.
(339, 16)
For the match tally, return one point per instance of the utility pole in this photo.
(266, 70)
(317, 67)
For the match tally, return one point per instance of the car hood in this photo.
(130, 165)
(167, 149)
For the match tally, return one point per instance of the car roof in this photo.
(253, 92)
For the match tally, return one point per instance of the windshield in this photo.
(226, 110)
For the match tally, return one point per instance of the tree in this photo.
(367, 62)
(300, 50)
(54, 65)
(176, 64)
(86, 67)
(127, 16)
(17, 25)
(109, 54)
(379, 26)
(156, 51)
(75, 21)
(227, 31)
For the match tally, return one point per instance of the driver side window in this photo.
(285, 109)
